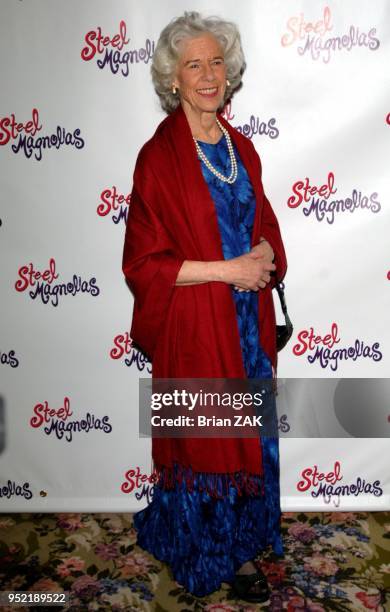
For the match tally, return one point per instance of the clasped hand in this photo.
(252, 271)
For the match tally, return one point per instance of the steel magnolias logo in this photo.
(323, 350)
(12, 489)
(9, 358)
(110, 51)
(42, 285)
(114, 204)
(57, 421)
(326, 484)
(23, 136)
(123, 349)
(320, 203)
(313, 38)
(254, 126)
(140, 484)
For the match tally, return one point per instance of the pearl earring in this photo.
(228, 82)
(174, 89)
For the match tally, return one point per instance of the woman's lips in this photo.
(209, 92)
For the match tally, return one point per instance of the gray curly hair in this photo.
(166, 54)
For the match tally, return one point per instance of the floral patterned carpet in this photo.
(334, 561)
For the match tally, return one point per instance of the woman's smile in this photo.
(209, 92)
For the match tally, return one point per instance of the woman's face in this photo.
(201, 74)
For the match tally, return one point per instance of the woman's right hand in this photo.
(248, 272)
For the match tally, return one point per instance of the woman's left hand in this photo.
(262, 249)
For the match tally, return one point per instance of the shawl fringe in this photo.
(217, 485)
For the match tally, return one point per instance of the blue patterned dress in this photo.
(203, 539)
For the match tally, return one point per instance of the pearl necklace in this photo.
(233, 175)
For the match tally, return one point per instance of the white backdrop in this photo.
(73, 116)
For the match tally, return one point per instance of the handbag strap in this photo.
(280, 289)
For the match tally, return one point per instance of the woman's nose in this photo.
(208, 72)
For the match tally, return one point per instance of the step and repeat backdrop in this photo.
(76, 105)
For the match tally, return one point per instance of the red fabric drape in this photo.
(191, 331)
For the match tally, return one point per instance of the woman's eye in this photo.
(194, 65)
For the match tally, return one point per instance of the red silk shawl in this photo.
(191, 331)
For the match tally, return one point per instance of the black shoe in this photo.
(251, 587)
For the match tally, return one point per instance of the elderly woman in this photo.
(202, 253)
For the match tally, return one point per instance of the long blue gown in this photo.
(203, 539)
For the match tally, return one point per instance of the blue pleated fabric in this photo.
(206, 539)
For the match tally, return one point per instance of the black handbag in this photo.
(283, 332)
